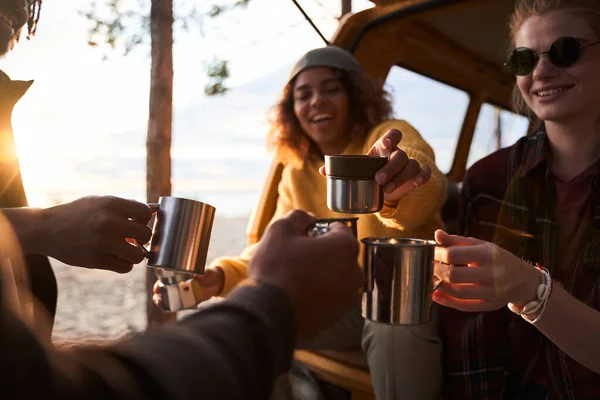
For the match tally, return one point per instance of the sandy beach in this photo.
(98, 305)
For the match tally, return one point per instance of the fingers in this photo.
(340, 238)
(455, 240)
(461, 274)
(339, 228)
(132, 230)
(423, 176)
(156, 287)
(386, 144)
(298, 221)
(468, 291)
(209, 284)
(397, 163)
(463, 255)
(157, 299)
(465, 305)
(406, 176)
(130, 209)
(113, 263)
(126, 252)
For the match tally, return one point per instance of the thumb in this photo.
(339, 228)
(299, 220)
(444, 239)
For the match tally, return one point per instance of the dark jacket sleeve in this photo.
(233, 350)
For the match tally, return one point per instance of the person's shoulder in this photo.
(491, 173)
(300, 169)
(493, 163)
(497, 162)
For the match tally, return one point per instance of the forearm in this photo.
(232, 350)
(573, 326)
(30, 228)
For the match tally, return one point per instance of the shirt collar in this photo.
(536, 151)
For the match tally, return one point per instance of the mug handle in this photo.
(154, 207)
(437, 284)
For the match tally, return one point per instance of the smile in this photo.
(321, 118)
(550, 92)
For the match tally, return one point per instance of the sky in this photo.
(81, 128)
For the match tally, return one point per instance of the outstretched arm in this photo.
(90, 232)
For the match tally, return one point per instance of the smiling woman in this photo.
(545, 185)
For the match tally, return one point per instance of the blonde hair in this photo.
(524, 9)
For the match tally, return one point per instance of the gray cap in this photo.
(330, 56)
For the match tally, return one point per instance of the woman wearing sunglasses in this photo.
(522, 287)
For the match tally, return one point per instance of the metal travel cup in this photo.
(399, 280)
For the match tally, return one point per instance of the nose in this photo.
(317, 98)
(545, 69)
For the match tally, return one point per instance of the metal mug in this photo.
(179, 247)
(399, 280)
(351, 185)
(354, 196)
(181, 235)
(322, 225)
(176, 290)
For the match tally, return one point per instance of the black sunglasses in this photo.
(563, 53)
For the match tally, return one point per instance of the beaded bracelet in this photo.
(533, 310)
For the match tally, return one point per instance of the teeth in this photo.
(321, 117)
(545, 93)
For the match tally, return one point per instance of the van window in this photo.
(496, 128)
(435, 109)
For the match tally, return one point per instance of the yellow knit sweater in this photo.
(417, 214)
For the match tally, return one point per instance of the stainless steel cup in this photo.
(176, 291)
(181, 235)
(179, 248)
(322, 225)
(351, 185)
(354, 196)
(399, 280)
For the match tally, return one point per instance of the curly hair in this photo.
(369, 102)
(35, 7)
(524, 9)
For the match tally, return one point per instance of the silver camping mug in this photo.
(399, 280)
(179, 247)
(351, 185)
(176, 290)
(322, 225)
(181, 235)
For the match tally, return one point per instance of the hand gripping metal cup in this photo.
(399, 280)
(351, 185)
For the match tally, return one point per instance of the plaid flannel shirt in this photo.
(508, 199)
